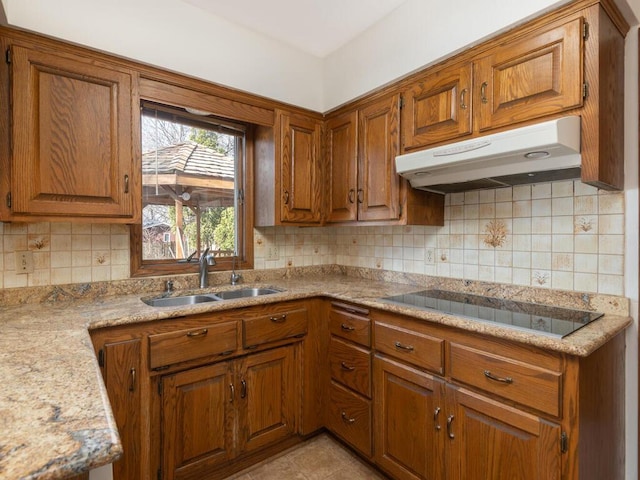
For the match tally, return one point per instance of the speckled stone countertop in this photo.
(54, 412)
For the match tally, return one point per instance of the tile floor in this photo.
(321, 458)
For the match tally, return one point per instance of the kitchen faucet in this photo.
(206, 259)
(235, 277)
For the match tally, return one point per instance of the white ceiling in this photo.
(318, 27)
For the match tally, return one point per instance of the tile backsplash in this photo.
(564, 235)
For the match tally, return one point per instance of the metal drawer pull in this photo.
(286, 197)
(198, 333)
(347, 419)
(352, 194)
(463, 104)
(435, 418)
(483, 92)
(232, 389)
(132, 385)
(347, 328)
(406, 348)
(347, 367)
(490, 376)
(243, 390)
(360, 195)
(449, 429)
(281, 319)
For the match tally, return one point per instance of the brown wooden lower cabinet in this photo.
(215, 413)
(409, 421)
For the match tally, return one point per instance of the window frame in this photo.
(244, 216)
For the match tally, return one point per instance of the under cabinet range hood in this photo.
(537, 153)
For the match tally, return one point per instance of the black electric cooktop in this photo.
(552, 321)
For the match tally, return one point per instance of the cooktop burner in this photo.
(552, 321)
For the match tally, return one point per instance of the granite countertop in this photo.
(55, 414)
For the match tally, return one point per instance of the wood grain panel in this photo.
(378, 145)
(538, 75)
(72, 137)
(410, 418)
(350, 326)
(349, 417)
(184, 345)
(521, 445)
(269, 395)
(197, 416)
(438, 108)
(350, 365)
(341, 144)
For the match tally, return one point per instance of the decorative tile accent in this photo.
(495, 233)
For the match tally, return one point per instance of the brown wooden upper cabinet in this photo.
(570, 64)
(538, 75)
(298, 141)
(71, 134)
(361, 147)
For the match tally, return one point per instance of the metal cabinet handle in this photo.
(406, 348)
(347, 328)
(232, 390)
(360, 195)
(346, 367)
(198, 333)
(286, 197)
(132, 384)
(347, 419)
(126, 184)
(449, 427)
(280, 319)
(436, 412)
(243, 390)
(463, 94)
(491, 376)
(352, 194)
(483, 92)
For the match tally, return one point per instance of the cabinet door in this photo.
(301, 184)
(269, 389)
(342, 161)
(378, 192)
(536, 76)
(197, 420)
(409, 421)
(71, 135)
(121, 377)
(438, 108)
(492, 441)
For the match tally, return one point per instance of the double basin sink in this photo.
(182, 300)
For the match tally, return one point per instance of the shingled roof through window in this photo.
(189, 158)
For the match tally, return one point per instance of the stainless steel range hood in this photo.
(536, 153)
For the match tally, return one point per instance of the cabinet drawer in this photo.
(511, 379)
(349, 417)
(410, 346)
(278, 325)
(193, 343)
(350, 326)
(350, 365)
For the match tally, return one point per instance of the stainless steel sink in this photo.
(245, 293)
(209, 297)
(179, 301)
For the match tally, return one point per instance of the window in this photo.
(194, 175)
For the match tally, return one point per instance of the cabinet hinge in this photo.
(9, 200)
(401, 102)
(8, 55)
(160, 388)
(564, 442)
(585, 30)
(241, 197)
(101, 357)
(585, 90)
(400, 209)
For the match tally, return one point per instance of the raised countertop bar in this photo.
(54, 411)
